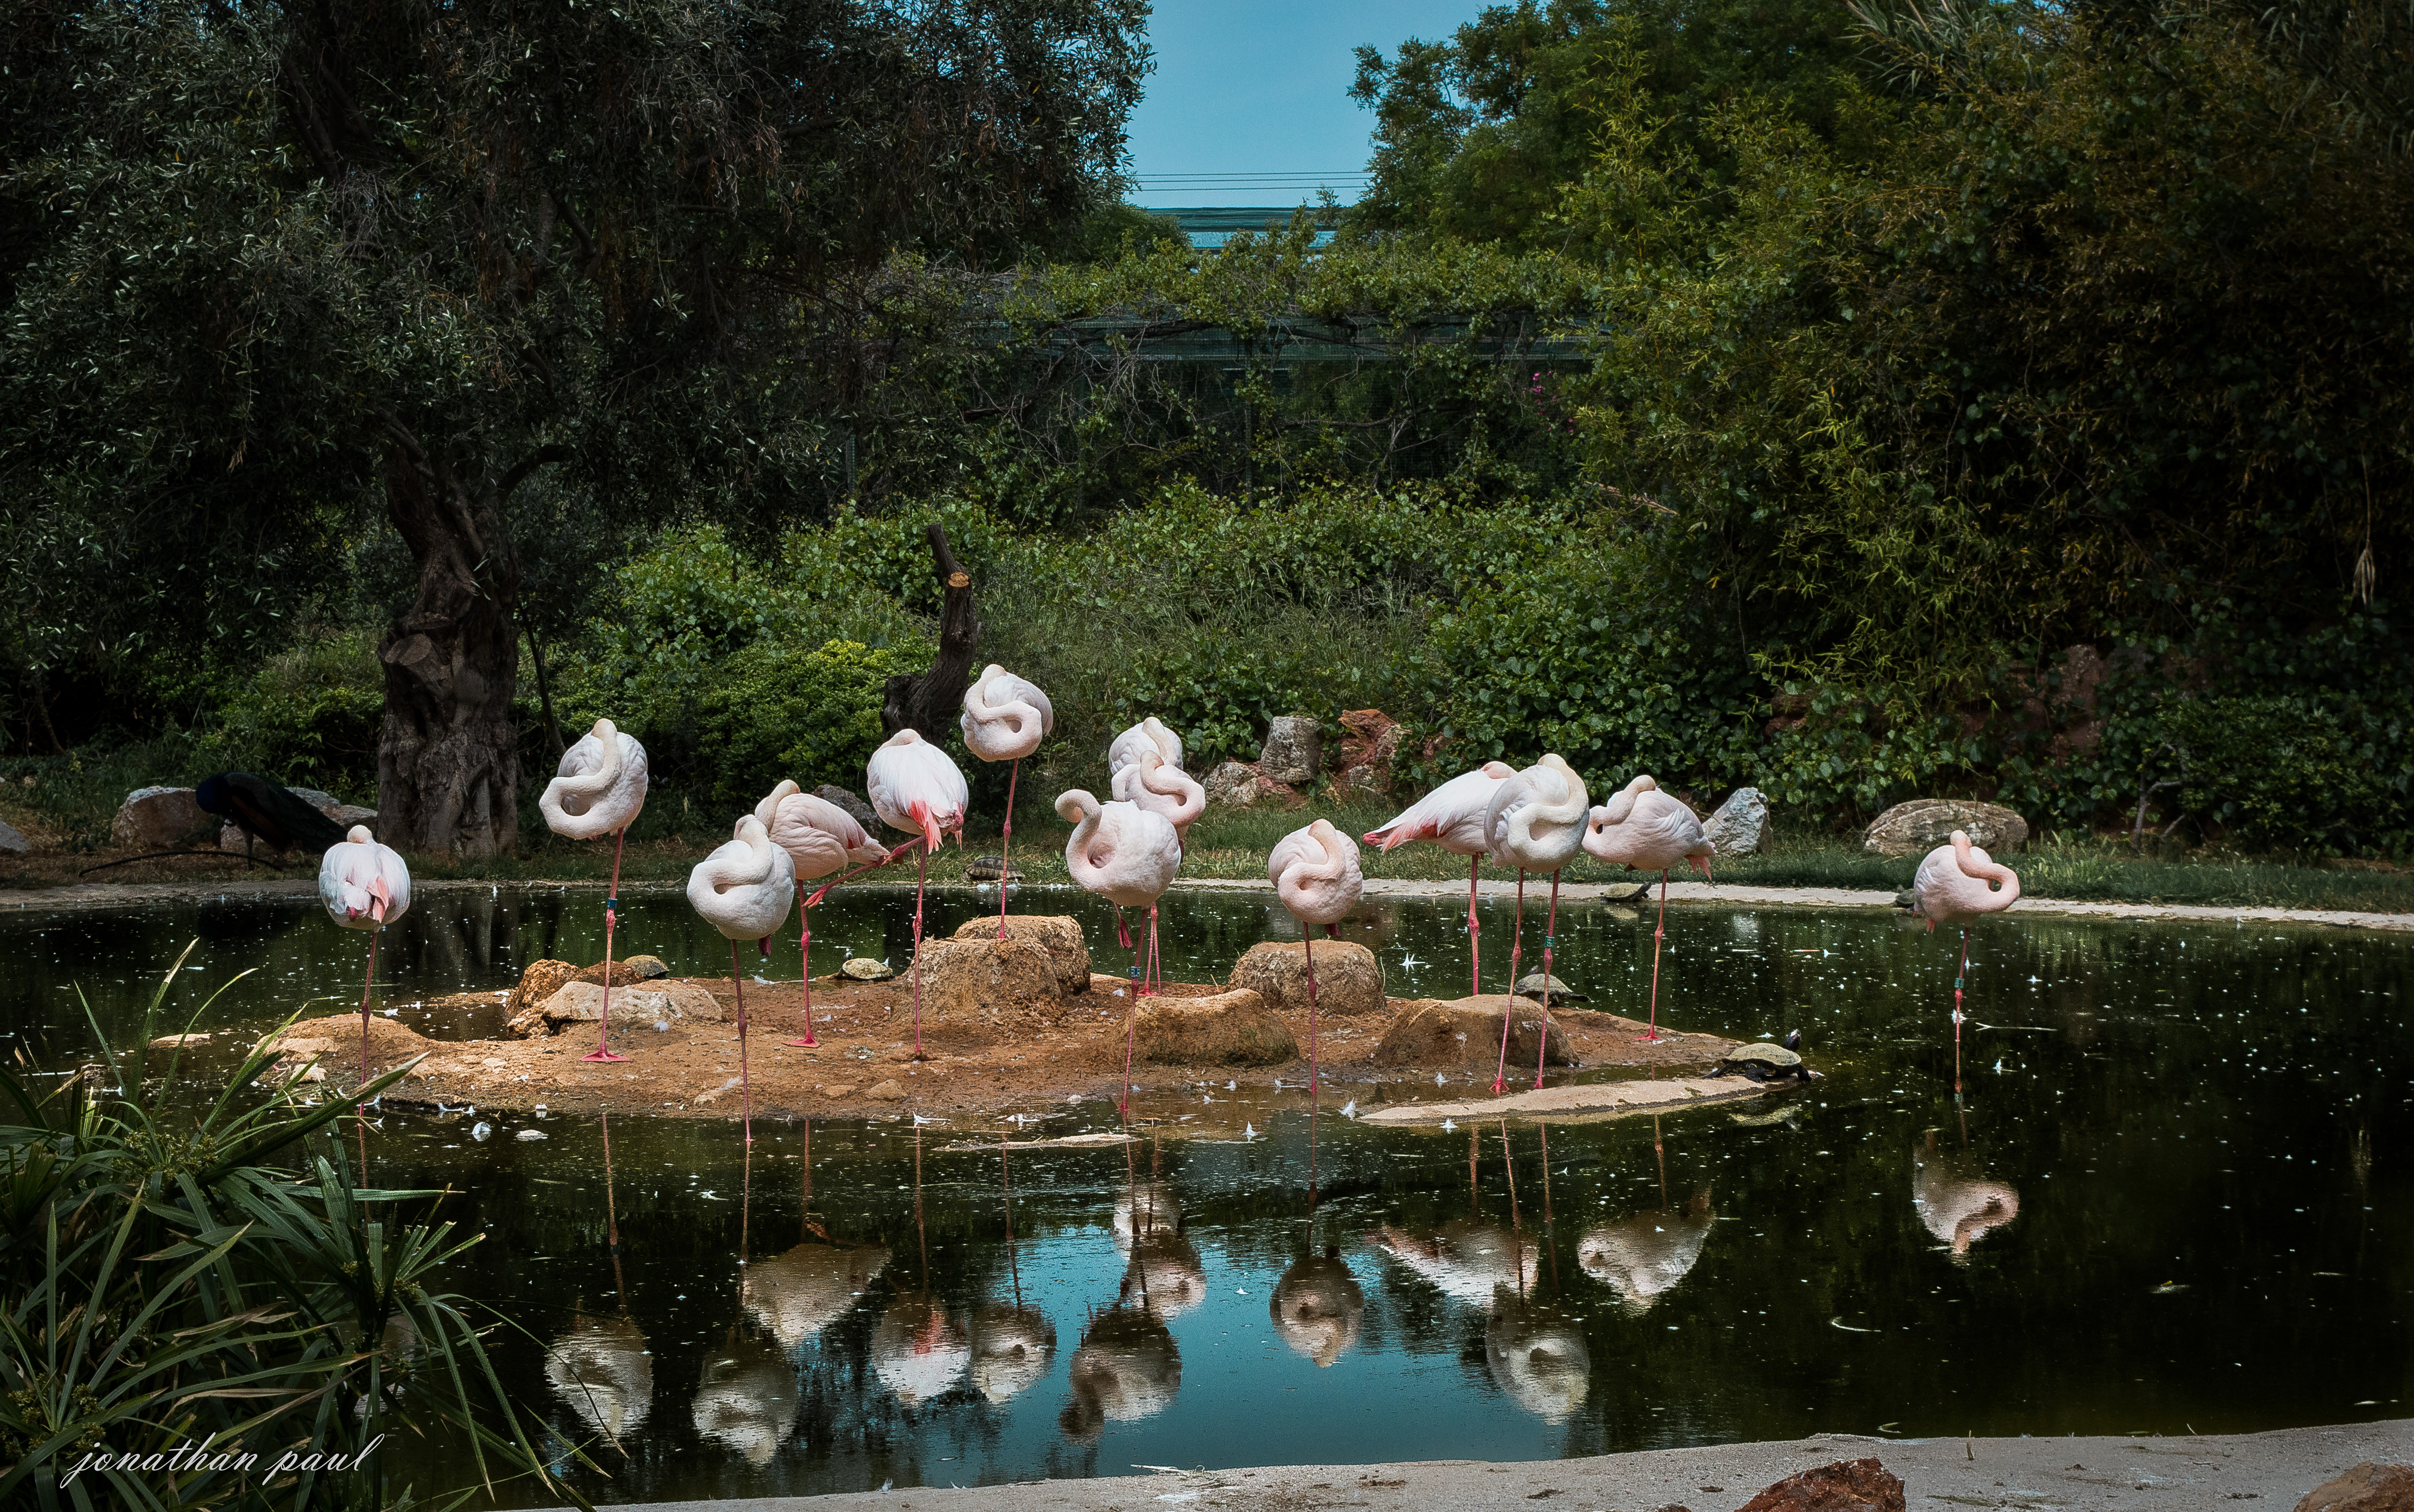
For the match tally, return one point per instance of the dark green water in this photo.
(2175, 1194)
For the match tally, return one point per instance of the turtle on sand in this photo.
(863, 969)
(992, 869)
(1766, 1062)
(1531, 984)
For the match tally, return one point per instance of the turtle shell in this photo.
(864, 969)
(1530, 986)
(1761, 1062)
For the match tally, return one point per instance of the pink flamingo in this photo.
(1956, 882)
(1452, 817)
(1128, 856)
(1536, 823)
(1158, 785)
(1645, 828)
(1149, 734)
(743, 889)
(820, 838)
(913, 787)
(364, 886)
(598, 790)
(1006, 718)
(1314, 873)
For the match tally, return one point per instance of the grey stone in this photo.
(582, 1002)
(832, 793)
(1740, 826)
(12, 841)
(349, 815)
(1293, 752)
(1920, 826)
(154, 819)
(323, 803)
(1237, 785)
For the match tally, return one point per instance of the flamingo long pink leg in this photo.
(1307, 937)
(1155, 962)
(1958, 972)
(366, 987)
(1548, 931)
(921, 870)
(1005, 848)
(745, 1085)
(611, 917)
(1651, 1032)
(1509, 1003)
(1474, 930)
(805, 948)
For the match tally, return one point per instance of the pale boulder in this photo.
(653, 1002)
(154, 819)
(1920, 826)
(1233, 1028)
(1293, 752)
(12, 841)
(1056, 934)
(1433, 1035)
(1349, 980)
(988, 979)
(1740, 827)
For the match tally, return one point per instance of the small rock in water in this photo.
(482, 1133)
(530, 1133)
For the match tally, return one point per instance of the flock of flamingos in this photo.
(1127, 850)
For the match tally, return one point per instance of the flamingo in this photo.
(598, 790)
(1642, 827)
(1128, 856)
(1535, 823)
(1956, 883)
(820, 838)
(1006, 718)
(1452, 817)
(1314, 873)
(743, 889)
(1149, 734)
(1162, 786)
(913, 787)
(364, 886)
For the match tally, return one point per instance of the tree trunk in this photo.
(933, 702)
(448, 764)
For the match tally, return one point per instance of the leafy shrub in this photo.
(771, 711)
(310, 716)
(2275, 772)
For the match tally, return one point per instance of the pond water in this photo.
(2174, 1194)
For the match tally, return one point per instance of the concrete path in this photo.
(2267, 1471)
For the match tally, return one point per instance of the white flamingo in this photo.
(365, 884)
(1642, 827)
(1314, 873)
(1160, 786)
(1452, 817)
(1149, 734)
(1956, 882)
(598, 790)
(1005, 717)
(1536, 823)
(820, 838)
(913, 787)
(743, 889)
(1127, 855)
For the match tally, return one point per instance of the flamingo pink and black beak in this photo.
(1701, 864)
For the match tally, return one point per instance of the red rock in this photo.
(1845, 1486)
(2367, 1487)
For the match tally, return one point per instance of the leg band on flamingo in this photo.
(611, 917)
(805, 950)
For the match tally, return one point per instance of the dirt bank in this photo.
(2267, 1471)
(865, 1062)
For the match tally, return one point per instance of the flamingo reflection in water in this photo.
(1958, 1207)
(1319, 1307)
(1537, 1354)
(797, 1294)
(1166, 1274)
(603, 1371)
(1128, 1368)
(1012, 1341)
(1467, 1260)
(1644, 1255)
(747, 1401)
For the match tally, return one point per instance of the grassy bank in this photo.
(1231, 843)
